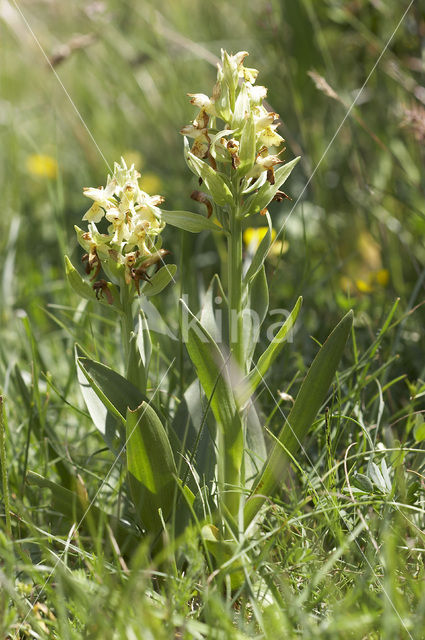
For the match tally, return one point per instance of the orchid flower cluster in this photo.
(238, 102)
(132, 238)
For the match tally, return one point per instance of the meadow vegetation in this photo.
(150, 485)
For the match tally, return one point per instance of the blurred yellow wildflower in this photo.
(363, 286)
(132, 156)
(252, 237)
(151, 182)
(42, 165)
(372, 281)
(382, 277)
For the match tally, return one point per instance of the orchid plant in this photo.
(232, 147)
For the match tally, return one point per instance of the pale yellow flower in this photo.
(269, 136)
(263, 163)
(102, 201)
(203, 102)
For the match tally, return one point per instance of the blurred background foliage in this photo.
(83, 83)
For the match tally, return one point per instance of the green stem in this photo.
(234, 279)
(4, 467)
(127, 325)
(231, 441)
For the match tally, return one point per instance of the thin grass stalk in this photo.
(3, 457)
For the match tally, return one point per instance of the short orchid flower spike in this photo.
(132, 222)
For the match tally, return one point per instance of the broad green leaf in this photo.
(253, 379)
(136, 373)
(419, 429)
(225, 552)
(144, 341)
(260, 254)
(254, 314)
(150, 465)
(213, 180)
(362, 482)
(195, 427)
(76, 507)
(85, 290)
(310, 398)
(159, 280)
(213, 375)
(267, 192)
(107, 395)
(255, 452)
(375, 475)
(214, 308)
(193, 222)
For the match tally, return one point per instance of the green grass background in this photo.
(321, 574)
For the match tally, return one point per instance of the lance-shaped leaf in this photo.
(159, 280)
(214, 304)
(107, 395)
(265, 361)
(310, 398)
(85, 290)
(214, 182)
(213, 375)
(254, 315)
(247, 146)
(193, 222)
(151, 467)
(260, 254)
(267, 192)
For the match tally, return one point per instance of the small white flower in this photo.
(257, 94)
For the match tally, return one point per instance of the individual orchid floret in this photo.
(269, 136)
(257, 94)
(204, 103)
(264, 163)
(198, 130)
(118, 227)
(103, 200)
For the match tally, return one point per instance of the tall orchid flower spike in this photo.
(233, 127)
(232, 146)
